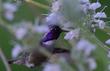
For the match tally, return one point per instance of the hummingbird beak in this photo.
(66, 30)
(63, 30)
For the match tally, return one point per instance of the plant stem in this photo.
(94, 39)
(0, 8)
(106, 29)
(6, 26)
(4, 61)
(38, 4)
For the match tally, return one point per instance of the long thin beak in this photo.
(67, 30)
(64, 30)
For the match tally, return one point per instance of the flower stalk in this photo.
(2, 56)
(37, 4)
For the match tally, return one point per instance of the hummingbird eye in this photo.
(55, 29)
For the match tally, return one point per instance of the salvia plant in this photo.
(63, 39)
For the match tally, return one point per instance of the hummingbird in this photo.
(52, 35)
(37, 58)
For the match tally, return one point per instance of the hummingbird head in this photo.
(52, 35)
(55, 28)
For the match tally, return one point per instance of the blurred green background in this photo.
(29, 12)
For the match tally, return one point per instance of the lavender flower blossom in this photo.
(41, 28)
(107, 42)
(20, 33)
(72, 34)
(85, 7)
(84, 1)
(52, 67)
(9, 16)
(56, 6)
(21, 29)
(101, 24)
(10, 9)
(85, 46)
(53, 18)
(16, 50)
(91, 63)
(94, 6)
(100, 15)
